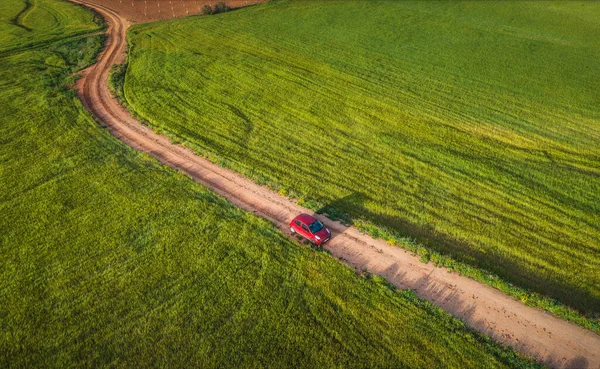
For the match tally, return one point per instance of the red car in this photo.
(310, 228)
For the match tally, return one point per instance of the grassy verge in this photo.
(473, 130)
(116, 81)
(110, 259)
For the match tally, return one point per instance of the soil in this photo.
(533, 332)
(139, 11)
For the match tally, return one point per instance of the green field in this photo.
(35, 23)
(108, 259)
(473, 127)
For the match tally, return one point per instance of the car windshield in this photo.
(315, 227)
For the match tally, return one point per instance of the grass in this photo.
(471, 127)
(108, 259)
(37, 23)
(19, 20)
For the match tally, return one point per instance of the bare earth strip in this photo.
(531, 331)
(139, 11)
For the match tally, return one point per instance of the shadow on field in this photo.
(577, 363)
(508, 269)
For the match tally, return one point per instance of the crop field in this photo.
(109, 259)
(58, 21)
(473, 127)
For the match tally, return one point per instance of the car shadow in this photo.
(337, 214)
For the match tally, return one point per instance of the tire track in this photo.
(533, 332)
(19, 19)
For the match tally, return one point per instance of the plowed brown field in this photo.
(138, 11)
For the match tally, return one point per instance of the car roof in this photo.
(305, 218)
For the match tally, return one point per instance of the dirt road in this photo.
(533, 332)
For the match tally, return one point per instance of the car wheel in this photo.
(292, 230)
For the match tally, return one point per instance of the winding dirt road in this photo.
(533, 332)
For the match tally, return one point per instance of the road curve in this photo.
(533, 332)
